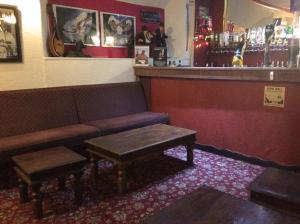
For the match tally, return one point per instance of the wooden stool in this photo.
(277, 189)
(36, 167)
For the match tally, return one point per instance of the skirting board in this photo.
(245, 158)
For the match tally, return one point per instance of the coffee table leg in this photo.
(94, 165)
(77, 188)
(190, 153)
(23, 190)
(37, 201)
(121, 178)
(62, 183)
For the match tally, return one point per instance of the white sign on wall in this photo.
(274, 96)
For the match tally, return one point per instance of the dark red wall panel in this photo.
(231, 115)
(112, 6)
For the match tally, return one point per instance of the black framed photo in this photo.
(117, 30)
(160, 56)
(10, 44)
(75, 24)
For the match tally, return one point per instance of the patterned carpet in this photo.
(153, 185)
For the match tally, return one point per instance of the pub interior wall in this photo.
(38, 71)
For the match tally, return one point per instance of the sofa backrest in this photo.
(24, 111)
(109, 100)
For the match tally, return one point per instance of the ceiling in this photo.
(280, 4)
(153, 3)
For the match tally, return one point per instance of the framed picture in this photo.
(160, 56)
(150, 17)
(74, 24)
(117, 30)
(142, 55)
(10, 45)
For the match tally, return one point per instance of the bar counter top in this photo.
(221, 73)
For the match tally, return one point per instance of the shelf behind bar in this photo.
(221, 73)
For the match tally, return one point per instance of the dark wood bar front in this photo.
(226, 108)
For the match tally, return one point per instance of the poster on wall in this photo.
(117, 30)
(274, 96)
(75, 24)
(142, 55)
(10, 47)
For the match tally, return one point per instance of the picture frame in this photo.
(75, 24)
(150, 17)
(117, 30)
(10, 44)
(142, 55)
(160, 56)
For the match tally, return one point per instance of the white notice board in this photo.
(274, 96)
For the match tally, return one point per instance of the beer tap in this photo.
(269, 33)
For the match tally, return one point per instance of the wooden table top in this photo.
(134, 140)
(208, 206)
(46, 160)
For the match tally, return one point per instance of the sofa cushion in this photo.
(68, 135)
(109, 100)
(122, 123)
(24, 111)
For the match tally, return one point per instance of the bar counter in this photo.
(226, 107)
(220, 73)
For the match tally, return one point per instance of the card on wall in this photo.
(274, 96)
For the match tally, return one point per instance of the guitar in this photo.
(55, 44)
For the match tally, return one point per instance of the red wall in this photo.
(230, 115)
(112, 6)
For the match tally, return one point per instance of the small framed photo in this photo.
(160, 56)
(75, 24)
(10, 44)
(142, 55)
(117, 30)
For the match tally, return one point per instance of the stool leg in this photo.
(62, 183)
(121, 178)
(77, 188)
(94, 165)
(37, 201)
(23, 191)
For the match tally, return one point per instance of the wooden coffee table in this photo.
(208, 206)
(36, 167)
(125, 147)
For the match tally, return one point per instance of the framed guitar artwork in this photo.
(55, 44)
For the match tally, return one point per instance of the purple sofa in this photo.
(41, 118)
